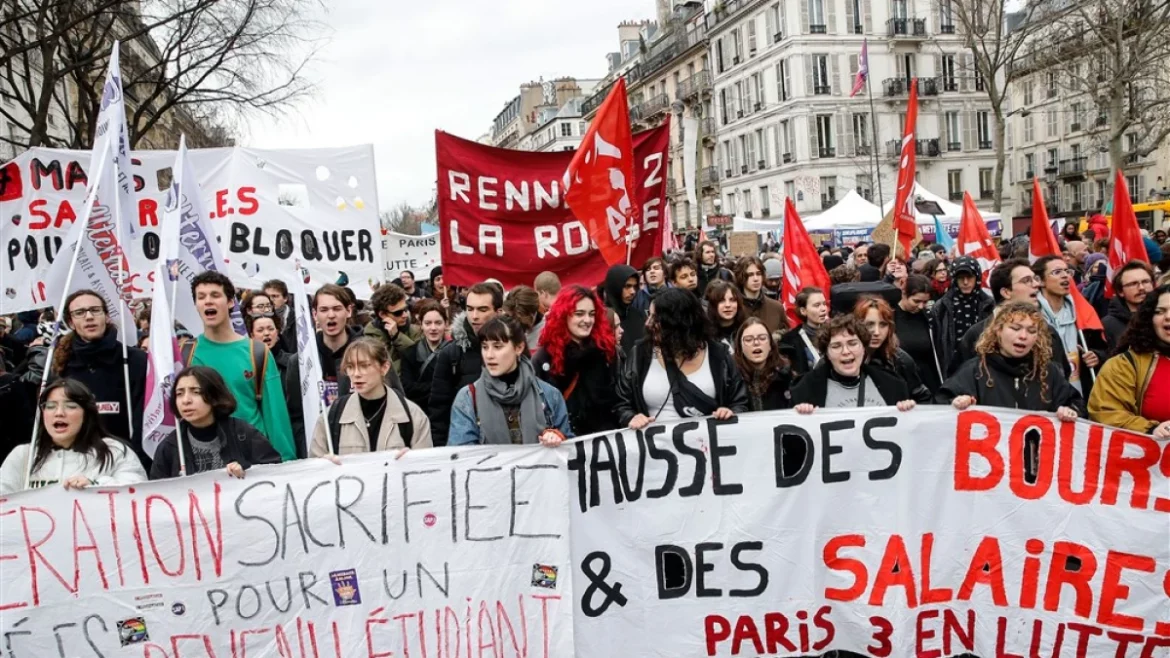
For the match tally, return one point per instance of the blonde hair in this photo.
(988, 342)
(367, 349)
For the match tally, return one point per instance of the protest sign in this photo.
(268, 208)
(929, 533)
(423, 556)
(417, 253)
(503, 215)
(743, 243)
(888, 534)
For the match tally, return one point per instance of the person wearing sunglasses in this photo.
(1059, 311)
(392, 325)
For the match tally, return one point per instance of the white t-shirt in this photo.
(656, 388)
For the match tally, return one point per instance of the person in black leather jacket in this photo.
(677, 371)
(884, 352)
(843, 379)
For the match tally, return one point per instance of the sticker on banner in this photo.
(345, 587)
(544, 575)
(132, 631)
(144, 602)
(108, 407)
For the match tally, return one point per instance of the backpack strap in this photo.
(406, 430)
(474, 404)
(334, 421)
(187, 351)
(259, 368)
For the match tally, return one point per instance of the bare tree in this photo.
(1114, 54)
(184, 63)
(985, 28)
(403, 218)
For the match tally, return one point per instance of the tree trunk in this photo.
(1000, 156)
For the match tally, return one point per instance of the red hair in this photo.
(555, 336)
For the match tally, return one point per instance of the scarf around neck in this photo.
(493, 394)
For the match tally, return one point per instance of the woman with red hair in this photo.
(578, 355)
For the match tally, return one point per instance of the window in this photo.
(1050, 123)
(731, 204)
(1099, 202)
(1050, 161)
(899, 9)
(828, 191)
(747, 201)
(758, 87)
(775, 22)
(1076, 111)
(582, 128)
(761, 149)
(825, 135)
(765, 198)
(1051, 80)
(736, 47)
(785, 142)
(1134, 185)
(955, 184)
(983, 125)
(743, 150)
(719, 55)
(790, 190)
(723, 109)
(1029, 165)
(751, 37)
(782, 80)
(865, 186)
(986, 187)
(728, 159)
(1029, 130)
(566, 130)
(861, 133)
(954, 134)
(741, 100)
(1028, 92)
(949, 81)
(816, 16)
(1076, 193)
(858, 26)
(946, 17)
(978, 76)
(821, 75)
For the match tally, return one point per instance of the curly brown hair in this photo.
(889, 349)
(988, 342)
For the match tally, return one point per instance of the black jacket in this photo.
(966, 350)
(17, 410)
(707, 275)
(776, 396)
(907, 370)
(458, 364)
(592, 405)
(418, 372)
(813, 388)
(632, 320)
(1116, 321)
(98, 365)
(1009, 387)
(944, 325)
(730, 391)
(792, 346)
(242, 443)
(288, 332)
(290, 382)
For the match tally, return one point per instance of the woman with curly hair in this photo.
(1013, 368)
(578, 355)
(677, 371)
(724, 311)
(844, 379)
(765, 372)
(878, 317)
(1133, 390)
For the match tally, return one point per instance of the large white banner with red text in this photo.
(928, 533)
(269, 209)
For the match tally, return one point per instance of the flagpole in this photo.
(87, 211)
(125, 307)
(873, 128)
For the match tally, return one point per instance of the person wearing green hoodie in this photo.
(391, 325)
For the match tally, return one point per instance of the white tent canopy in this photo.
(951, 211)
(759, 225)
(852, 211)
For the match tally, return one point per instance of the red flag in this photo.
(862, 69)
(974, 240)
(599, 183)
(803, 267)
(1041, 239)
(905, 222)
(1126, 243)
(1086, 315)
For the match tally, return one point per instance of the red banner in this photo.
(502, 213)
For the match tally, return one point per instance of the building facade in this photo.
(666, 65)
(786, 126)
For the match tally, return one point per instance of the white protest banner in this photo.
(873, 531)
(268, 208)
(164, 363)
(308, 358)
(423, 556)
(417, 253)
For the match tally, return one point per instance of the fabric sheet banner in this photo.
(502, 213)
(423, 556)
(929, 533)
(417, 253)
(268, 208)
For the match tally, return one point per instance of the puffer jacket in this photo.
(1117, 396)
(60, 464)
(458, 364)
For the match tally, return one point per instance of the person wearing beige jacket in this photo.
(374, 417)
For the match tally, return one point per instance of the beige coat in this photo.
(354, 436)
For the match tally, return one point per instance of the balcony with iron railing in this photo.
(827, 152)
(898, 87)
(692, 87)
(1073, 168)
(651, 108)
(708, 177)
(923, 148)
(985, 195)
(671, 187)
(906, 28)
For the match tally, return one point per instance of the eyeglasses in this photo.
(1027, 281)
(397, 312)
(69, 406)
(262, 307)
(1138, 284)
(1060, 271)
(79, 313)
(755, 340)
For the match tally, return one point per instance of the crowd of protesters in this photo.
(694, 333)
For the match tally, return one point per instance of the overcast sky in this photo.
(394, 72)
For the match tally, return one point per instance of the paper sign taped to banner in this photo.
(417, 253)
(503, 215)
(269, 208)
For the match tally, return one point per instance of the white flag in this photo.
(165, 362)
(188, 242)
(96, 239)
(312, 380)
